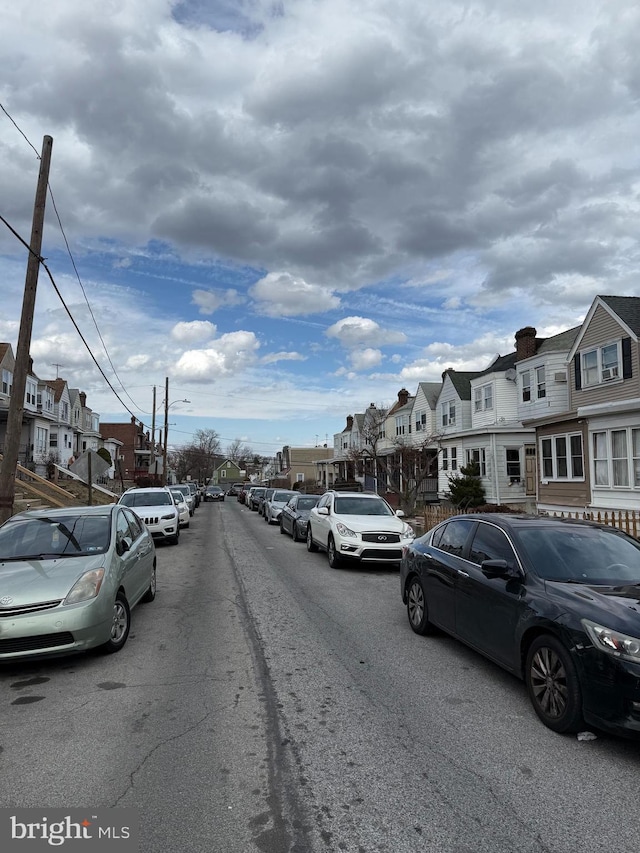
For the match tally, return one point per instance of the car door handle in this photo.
(464, 574)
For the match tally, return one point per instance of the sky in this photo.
(293, 209)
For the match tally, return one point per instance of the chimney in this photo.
(403, 396)
(525, 343)
(349, 423)
(83, 399)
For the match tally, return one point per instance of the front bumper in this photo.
(610, 692)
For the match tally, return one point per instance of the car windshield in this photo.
(178, 496)
(281, 497)
(582, 554)
(62, 536)
(146, 499)
(361, 506)
(308, 503)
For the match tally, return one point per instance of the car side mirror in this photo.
(323, 510)
(122, 547)
(499, 569)
(400, 513)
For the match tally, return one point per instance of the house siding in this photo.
(563, 493)
(603, 329)
(557, 392)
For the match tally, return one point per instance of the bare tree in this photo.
(238, 452)
(198, 459)
(407, 468)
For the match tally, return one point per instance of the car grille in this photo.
(28, 608)
(380, 554)
(375, 537)
(32, 644)
(152, 519)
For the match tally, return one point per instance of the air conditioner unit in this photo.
(560, 377)
(609, 373)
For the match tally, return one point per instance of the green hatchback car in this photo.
(69, 579)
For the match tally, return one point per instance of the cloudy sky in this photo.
(295, 208)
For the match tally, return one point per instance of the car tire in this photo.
(120, 625)
(294, 532)
(553, 686)
(174, 540)
(334, 559)
(417, 611)
(150, 594)
(311, 545)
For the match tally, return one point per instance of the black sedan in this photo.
(295, 515)
(554, 601)
(213, 493)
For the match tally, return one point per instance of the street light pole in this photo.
(167, 406)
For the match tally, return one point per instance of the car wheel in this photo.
(553, 686)
(311, 546)
(334, 560)
(175, 539)
(120, 624)
(417, 608)
(150, 594)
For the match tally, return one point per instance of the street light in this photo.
(166, 433)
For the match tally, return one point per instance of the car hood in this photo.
(604, 602)
(364, 523)
(33, 581)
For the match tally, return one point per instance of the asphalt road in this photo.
(265, 702)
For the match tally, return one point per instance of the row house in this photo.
(589, 448)
(305, 465)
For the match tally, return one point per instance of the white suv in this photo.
(357, 526)
(156, 507)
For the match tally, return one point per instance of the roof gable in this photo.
(625, 310)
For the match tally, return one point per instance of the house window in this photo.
(41, 440)
(7, 381)
(561, 457)
(300, 478)
(53, 440)
(448, 414)
(483, 398)
(526, 385)
(454, 458)
(445, 459)
(478, 455)
(31, 393)
(601, 364)
(223, 474)
(513, 464)
(541, 387)
(421, 421)
(616, 458)
(400, 425)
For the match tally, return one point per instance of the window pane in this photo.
(547, 460)
(489, 543)
(577, 468)
(454, 536)
(610, 357)
(619, 455)
(561, 456)
(590, 367)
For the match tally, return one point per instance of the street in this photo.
(265, 702)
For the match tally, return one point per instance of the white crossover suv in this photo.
(156, 507)
(357, 526)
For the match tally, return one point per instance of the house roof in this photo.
(627, 308)
(58, 385)
(431, 391)
(461, 381)
(560, 342)
(499, 364)
(4, 348)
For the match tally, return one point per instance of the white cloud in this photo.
(196, 330)
(365, 359)
(209, 301)
(360, 331)
(273, 357)
(283, 295)
(229, 354)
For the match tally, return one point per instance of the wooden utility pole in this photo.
(21, 369)
(166, 431)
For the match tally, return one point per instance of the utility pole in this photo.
(166, 431)
(16, 403)
(153, 437)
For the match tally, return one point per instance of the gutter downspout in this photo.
(496, 479)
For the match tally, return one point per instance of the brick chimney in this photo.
(83, 399)
(525, 343)
(349, 426)
(403, 397)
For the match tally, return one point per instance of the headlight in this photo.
(408, 532)
(169, 517)
(86, 587)
(344, 531)
(614, 642)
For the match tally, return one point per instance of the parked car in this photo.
(242, 494)
(554, 601)
(213, 493)
(255, 493)
(295, 514)
(272, 506)
(234, 490)
(70, 578)
(183, 508)
(186, 491)
(358, 527)
(193, 488)
(262, 498)
(156, 507)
